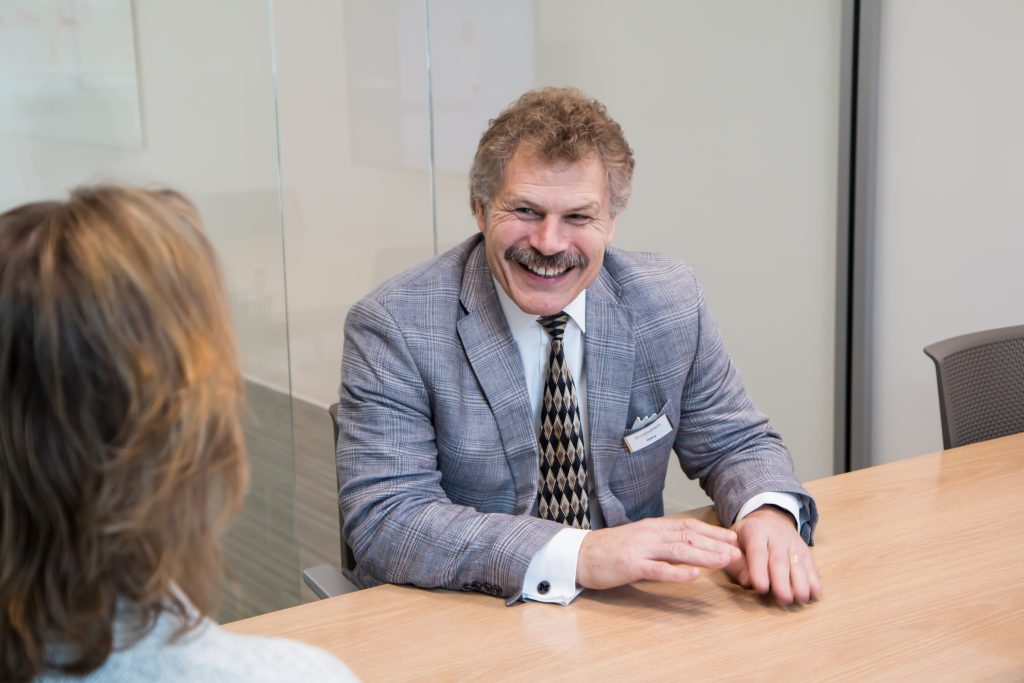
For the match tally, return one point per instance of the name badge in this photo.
(647, 435)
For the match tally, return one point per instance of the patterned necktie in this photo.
(562, 493)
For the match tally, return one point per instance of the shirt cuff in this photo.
(551, 576)
(787, 501)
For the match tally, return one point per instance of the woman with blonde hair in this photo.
(121, 450)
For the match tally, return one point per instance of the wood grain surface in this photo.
(922, 565)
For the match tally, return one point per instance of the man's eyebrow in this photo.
(583, 208)
(520, 199)
(589, 207)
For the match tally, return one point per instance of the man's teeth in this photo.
(546, 272)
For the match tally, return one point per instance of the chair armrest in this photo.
(326, 581)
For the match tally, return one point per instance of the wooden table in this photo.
(922, 566)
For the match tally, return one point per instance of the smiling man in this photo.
(546, 230)
(509, 409)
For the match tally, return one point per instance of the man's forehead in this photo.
(528, 173)
(527, 152)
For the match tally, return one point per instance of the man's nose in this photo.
(547, 237)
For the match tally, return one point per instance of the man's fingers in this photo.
(776, 558)
(798, 581)
(757, 565)
(779, 563)
(694, 538)
(813, 582)
(682, 553)
(691, 524)
(663, 571)
(685, 540)
(737, 571)
(652, 549)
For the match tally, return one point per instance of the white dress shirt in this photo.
(555, 564)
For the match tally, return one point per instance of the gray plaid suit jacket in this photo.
(437, 454)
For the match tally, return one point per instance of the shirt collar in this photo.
(519, 322)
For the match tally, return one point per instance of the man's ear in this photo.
(481, 216)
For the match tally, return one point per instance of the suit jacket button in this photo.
(543, 587)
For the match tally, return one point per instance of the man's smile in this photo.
(547, 273)
(546, 267)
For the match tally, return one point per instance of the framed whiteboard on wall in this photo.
(68, 71)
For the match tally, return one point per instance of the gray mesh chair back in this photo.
(981, 385)
(348, 558)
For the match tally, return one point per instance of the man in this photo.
(509, 408)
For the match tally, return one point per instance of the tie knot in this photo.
(554, 324)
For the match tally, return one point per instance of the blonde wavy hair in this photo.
(121, 449)
(556, 125)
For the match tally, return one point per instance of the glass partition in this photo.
(355, 160)
(174, 93)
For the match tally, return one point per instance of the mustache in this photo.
(531, 258)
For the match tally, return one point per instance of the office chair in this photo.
(348, 558)
(981, 385)
(324, 579)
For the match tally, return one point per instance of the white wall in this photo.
(950, 179)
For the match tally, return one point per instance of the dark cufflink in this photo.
(543, 587)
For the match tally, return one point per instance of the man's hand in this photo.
(774, 557)
(656, 549)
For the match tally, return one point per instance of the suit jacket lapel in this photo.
(494, 357)
(609, 351)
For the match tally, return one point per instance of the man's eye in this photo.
(525, 211)
(577, 218)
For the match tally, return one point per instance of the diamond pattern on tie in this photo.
(562, 489)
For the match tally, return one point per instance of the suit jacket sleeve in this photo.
(400, 523)
(723, 439)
